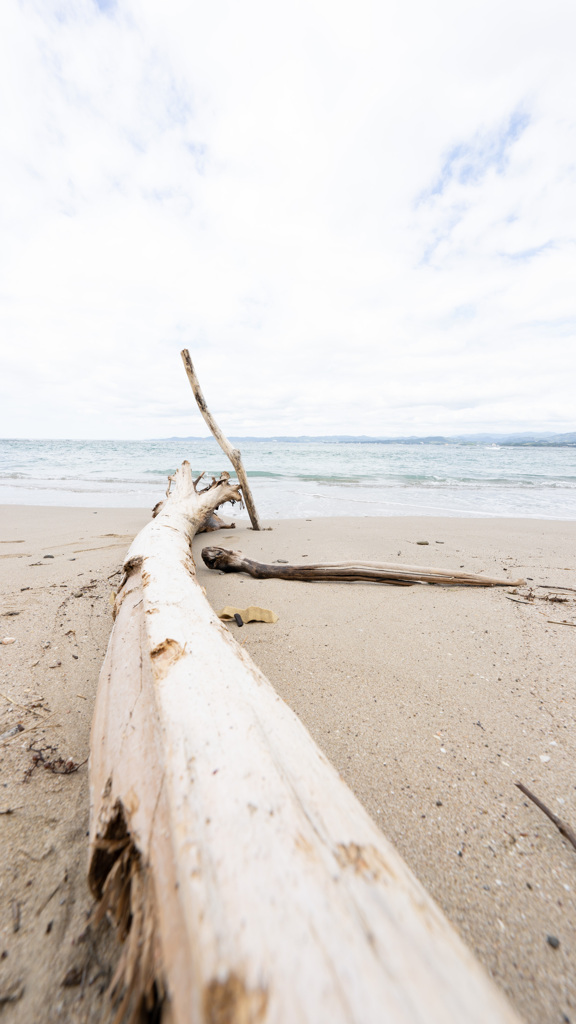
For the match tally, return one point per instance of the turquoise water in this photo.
(293, 480)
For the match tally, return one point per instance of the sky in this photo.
(359, 217)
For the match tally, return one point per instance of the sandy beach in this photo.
(430, 701)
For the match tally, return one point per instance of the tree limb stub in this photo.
(232, 453)
(250, 884)
(350, 572)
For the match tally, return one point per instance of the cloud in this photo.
(358, 218)
(468, 162)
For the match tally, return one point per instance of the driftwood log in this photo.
(232, 453)
(348, 572)
(248, 884)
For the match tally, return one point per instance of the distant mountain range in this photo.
(528, 439)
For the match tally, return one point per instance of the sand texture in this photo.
(430, 701)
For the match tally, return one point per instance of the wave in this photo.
(152, 477)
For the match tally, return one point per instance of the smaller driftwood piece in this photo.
(248, 884)
(232, 453)
(348, 572)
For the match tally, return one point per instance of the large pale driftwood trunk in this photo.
(247, 880)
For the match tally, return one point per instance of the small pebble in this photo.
(9, 640)
(423, 542)
(544, 758)
(12, 732)
(553, 941)
(48, 556)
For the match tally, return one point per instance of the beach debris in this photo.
(172, 853)
(529, 597)
(562, 827)
(8, 640)
(232, 453)
(215, 523)
(423, 543)
(346, 572)
(251, 614)
(553, 941)
(48, 556)
(51, 896)
(16, 915)
(238, 619)
(46, 757)
(12, 732)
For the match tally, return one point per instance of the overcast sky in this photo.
(360, 217)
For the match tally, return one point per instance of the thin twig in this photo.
(562, 827)
(48, 898)
(548, 586)
(28, 728)
(560, 622)
(22, 707)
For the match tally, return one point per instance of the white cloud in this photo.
(358, 217)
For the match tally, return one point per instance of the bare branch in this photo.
(232, 453)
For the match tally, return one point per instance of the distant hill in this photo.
(531, 439)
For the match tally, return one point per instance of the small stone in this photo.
(424, 543)
(438, 803)
(544, 758)
(48, 556)
(553, 941)
(12, 732)
(9, 640)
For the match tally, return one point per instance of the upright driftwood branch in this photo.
(248, 883)
(232, 453)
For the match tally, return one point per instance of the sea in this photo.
(291, 480)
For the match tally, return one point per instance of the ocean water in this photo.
(302, 480)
